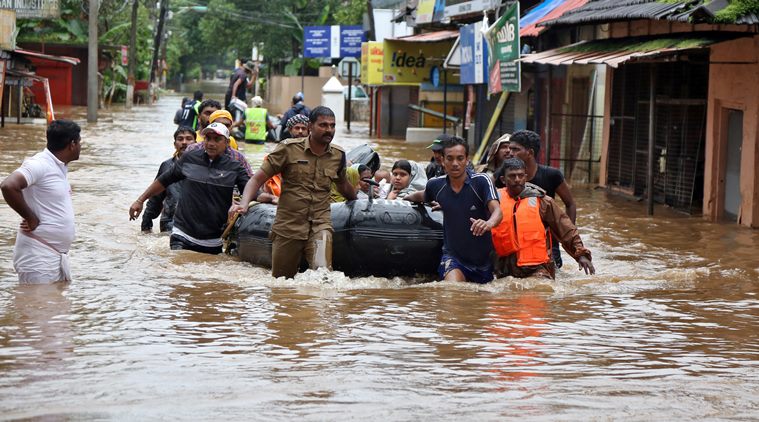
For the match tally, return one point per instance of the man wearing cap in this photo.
(223, 117)
(257, 123)
(298, 107)
(309, 166)
(242, 79)
(435, 167)
(208, 177)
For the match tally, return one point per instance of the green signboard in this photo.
(503, 36)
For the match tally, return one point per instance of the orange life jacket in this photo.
(521, 231)
(275, 185)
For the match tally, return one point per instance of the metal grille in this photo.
(679, 132)
(580, 153)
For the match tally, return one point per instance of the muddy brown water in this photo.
(667, 329)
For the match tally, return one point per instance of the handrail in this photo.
(434, 113)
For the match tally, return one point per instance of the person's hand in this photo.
(29, 225)
(237, 208)
(392, 194)
(479, 226)
(275, 200)
(435, 206)
(586, 265)
(135, 210)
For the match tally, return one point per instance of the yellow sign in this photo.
(372, 57)
(425, 10)
(410, 63)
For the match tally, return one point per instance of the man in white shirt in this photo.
(40, 193)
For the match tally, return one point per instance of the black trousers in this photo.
(179, 243)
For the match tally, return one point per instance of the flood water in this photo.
(667, 328)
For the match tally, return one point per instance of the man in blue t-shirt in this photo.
(470, 205)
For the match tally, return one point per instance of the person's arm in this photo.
(480, 227)
(152, 210)
(12, 188)
(417, 196)
(566, 232)
(250, 193)
(267, 198)
(237, 83)
(569, 202)
(154, 189)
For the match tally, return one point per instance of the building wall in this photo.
(281, 89)
(733, 84)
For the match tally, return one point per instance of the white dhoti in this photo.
(39, 263)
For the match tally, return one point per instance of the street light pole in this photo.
(92, 64)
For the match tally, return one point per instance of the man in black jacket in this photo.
(165, 202)
(208, 178)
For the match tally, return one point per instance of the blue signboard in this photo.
(474, 56)
(316, 40)
(332, 41)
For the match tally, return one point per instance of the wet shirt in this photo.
(458, 208)
(243, 77)
(164, 203)
(304, 206)
(548, 178)
(207, 187)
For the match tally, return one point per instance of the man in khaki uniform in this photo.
(308, 166)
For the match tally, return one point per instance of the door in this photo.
(733, 167)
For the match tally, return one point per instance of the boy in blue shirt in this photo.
(470, 205)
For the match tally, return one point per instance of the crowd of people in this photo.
(513, 231)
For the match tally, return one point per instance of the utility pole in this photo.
(92, 64)
(157, 44)
(132, 56)
(370, 15)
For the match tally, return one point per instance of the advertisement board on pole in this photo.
(372, 59)
(503, 36)
(410, 63)
(474, 58)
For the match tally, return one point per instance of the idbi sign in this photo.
(474, 58)
(33, 9)
(332, 41)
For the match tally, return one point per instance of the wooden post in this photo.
(132, 56)
(350, 89)
(548, 116)
(651, 141)
(445, 100)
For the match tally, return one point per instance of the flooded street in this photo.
(667, 328)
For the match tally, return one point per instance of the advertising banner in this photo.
(410, 63)
(474, 58)
(372, 59)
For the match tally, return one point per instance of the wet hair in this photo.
(297, 98)
(60, 133)
(508, 164)
(403, 165)
(184, 101)
(184, 129)
(320, 111)
(197, 95)
(454, 141)
(209, 103)
(528, 139)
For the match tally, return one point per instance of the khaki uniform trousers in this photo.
(287, 253)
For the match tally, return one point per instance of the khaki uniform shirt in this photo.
(304, 207)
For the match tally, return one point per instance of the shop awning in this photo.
(36, 54)
(546, 11)
(436, 36)
(613, 52)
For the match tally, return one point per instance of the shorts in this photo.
(475, 275)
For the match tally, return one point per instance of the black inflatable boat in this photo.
(372, 237)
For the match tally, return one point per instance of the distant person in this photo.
(257, 123)
(297, 108)
(241, 80)
(190, 111)
(525, 145)
(470, 210)
(39, 191)
(178, 114)
(208, 177)
(165, 203)
(522, 241)
(309, 166)
(435, 167)
(497, 154)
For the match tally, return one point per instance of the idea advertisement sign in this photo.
(410, 63)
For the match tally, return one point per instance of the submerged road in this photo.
(666, 329)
